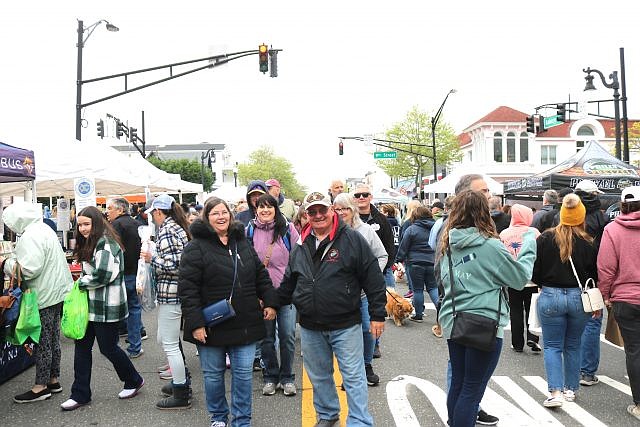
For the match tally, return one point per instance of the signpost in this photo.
(385, 155)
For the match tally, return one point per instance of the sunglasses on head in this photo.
(322, 210)
(361, 195)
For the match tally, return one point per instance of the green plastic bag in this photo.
(28, 325)
(75, 313)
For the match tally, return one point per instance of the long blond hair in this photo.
(563, 236)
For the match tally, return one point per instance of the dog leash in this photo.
(395, 299)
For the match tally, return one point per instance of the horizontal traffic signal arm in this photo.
(359, 138)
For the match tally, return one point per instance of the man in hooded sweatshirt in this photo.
(520, 300)
(255, 189)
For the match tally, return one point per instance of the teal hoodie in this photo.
(481, 267)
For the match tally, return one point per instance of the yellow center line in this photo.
(308, 411)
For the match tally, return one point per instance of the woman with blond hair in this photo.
(563, 252)
(406, 222)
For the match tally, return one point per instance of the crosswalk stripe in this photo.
(571, 408)
(615, 384)
(536, 411)
(400, 406)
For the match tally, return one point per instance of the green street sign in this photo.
(385, 155)
(550, 122)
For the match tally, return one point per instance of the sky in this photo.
(348, 68)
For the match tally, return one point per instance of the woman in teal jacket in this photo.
(481, 267)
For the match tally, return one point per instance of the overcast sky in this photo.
(348, 68)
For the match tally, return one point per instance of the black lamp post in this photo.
(210, 155)
(235, 175)
(434, 122)
(81, 41)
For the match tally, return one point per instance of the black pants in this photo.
(519, 304)
(628, 318)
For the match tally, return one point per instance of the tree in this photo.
(416, 130)
(264, 164)
(189, 170)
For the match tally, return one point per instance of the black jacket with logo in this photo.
(382, 227)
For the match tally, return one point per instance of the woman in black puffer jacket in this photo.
(207, 276)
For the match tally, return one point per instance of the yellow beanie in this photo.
(572, 211)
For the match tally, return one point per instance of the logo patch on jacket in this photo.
(333, 255)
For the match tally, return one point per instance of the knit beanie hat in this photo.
(572, 211)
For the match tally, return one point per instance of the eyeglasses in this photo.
(361, 195)
(340, 210)
(218, 214)
(322, 210)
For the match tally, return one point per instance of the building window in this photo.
(497, 147)
(579, 145)
(524, 147)
(470, 156)
(511, 147)
(548, 154)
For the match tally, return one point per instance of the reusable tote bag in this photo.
(75, 313)
(28, 325)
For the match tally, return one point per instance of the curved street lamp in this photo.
(615, 85)
(434, 122)
(81, 41)
(210, 155)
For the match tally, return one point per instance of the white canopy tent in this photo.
(389, 195)
(229, 193)
(448, 184)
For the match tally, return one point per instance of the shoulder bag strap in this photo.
(575, 273)
(453, 294)
(234, 258)
(16, 276)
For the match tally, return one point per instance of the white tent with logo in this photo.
(447, 184)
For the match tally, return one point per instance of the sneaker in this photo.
(166, 375)
(257, 364)
(128, 393)
(54, 387)
(218, 424)
(634, 410)
(269, 389)
(517, 350)
(535, 347)
(123, 334)
(136, 355)
(437, 331)
(376, 352)
(569, 395)
(553, 402)
(486, 419)
(289, 389)
(588, 380)
(372, 378)
(417, 319)
(143, 335)
(163, 368)
(408, 294)
(30, 396)
(71, 405)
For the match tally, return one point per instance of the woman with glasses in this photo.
(219, 263)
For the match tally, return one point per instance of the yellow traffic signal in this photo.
(263, 58)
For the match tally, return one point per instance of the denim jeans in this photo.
(407, 275)
(471, 370)
(628, 318)
(169, 317)
(368, 342)
(319, 348)
(590, 347)
(389, 278)
(422, 277)
(134, 321)
(107, 336)
(212, 362)
(286, 330)
(562, 319)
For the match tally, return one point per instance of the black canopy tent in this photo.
(592, 162)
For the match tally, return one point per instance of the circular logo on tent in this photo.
(604, 167)
(63, 204)
(84, 188)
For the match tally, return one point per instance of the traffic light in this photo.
(273, 57)
(562, 113)
(263, 58)
(531, 126)
(119, 129)
(341, 148)
(101, 128)
(133, 134)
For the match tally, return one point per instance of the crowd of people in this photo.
(326, 265)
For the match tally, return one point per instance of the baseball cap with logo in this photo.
(630, 194)
(588, 186)
(272, 182)
(316, 198)
(163, 201)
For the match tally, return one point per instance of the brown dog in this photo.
(398, 307)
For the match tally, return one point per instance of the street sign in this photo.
(549, 122)
(385, 155)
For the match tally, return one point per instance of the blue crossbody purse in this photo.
(222, 310)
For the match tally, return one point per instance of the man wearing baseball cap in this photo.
(327, 272)
(287, 207)
(255, 189)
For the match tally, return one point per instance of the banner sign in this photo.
(85, 192)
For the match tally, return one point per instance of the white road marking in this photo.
(615, 384)
(539, 415)
(399, 404)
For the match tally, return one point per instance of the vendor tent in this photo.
(389, 195)
(16, 164)
(448, 184)
(592, 162)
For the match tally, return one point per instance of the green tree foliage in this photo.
(264, 164)
(189, 170)
(416, 130)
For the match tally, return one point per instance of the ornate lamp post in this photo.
(210, 155)
(615, 85)
(434, 122)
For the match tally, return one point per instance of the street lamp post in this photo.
(210, 155)
(81, 41)
(434, 122)
(235, 175)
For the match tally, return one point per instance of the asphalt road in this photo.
(411, 392)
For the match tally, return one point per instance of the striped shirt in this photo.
(103, 278)
(166, 262)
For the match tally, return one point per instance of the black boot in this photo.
(179, 398)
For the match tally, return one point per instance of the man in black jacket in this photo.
(326, 274)
(127, 229)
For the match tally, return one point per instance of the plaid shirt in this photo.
(169, 246)
(103, 278)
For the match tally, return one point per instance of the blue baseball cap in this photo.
(163, 202)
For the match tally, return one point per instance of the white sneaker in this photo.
(569, 395)
(128, 393)
(553, 402)
(71, 405)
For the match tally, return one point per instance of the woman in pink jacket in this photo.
(619, 282)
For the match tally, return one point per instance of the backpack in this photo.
(286, 239)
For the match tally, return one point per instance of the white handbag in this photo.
(591, 296)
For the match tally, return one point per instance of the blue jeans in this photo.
(407, 275)
(318, 348)
(212, 362)
(286, 330)
(368, 342)
(471, 370)
(107, 336)
(562, 319)
(422, 277)
(134, 321)
(389, 278)
(590, 347)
